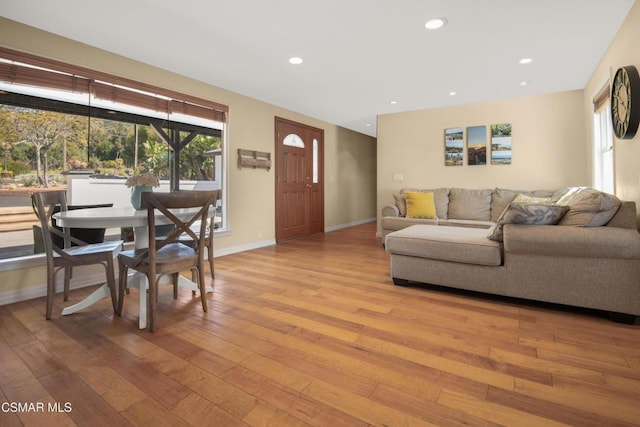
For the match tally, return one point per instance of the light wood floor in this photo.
(313, 332)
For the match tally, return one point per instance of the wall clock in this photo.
(625, 102)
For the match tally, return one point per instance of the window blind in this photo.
(27, 69)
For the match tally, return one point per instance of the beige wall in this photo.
(349, 156)
(622, 51)
(548, 146)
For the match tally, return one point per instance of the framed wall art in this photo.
(453, 146)
(477, 145)
(501, 144)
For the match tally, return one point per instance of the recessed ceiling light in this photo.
(368, 125)
(525, 83)
(295, 60)
(393, 102)
(434, 24)
(452, 93)
(525, 61)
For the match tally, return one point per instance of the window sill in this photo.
(21, 263)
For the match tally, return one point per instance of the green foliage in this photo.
(30, 181)
(45, 141)
(193, 164)
(17, 167)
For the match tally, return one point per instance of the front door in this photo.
(299, 180)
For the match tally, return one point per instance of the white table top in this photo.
(114, 217)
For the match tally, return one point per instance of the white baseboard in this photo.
(37, 291)
(351, 224)
(245, 247)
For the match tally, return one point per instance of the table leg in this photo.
(102, 292)
(137, 280)
(183, 282)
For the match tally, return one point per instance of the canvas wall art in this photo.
(453, 146)
(501, 144)
(477, 145)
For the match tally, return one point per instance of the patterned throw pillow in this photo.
(528, 214)
(524, 199)
(420, 205)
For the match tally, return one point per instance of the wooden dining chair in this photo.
(166, 255)
(87, 235)
(185, 238)
(66, 257)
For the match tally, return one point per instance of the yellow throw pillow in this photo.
(420, 205)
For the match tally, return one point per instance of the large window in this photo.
(61, 124)
(603, 167)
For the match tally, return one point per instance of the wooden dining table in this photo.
(117, 217)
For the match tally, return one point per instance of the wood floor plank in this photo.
(590, 399)
(361, 407)
(495, 413)
(296, 404)
(197, 411)
(428, 410)
(312, 332)
(544, 408)
(264, 415)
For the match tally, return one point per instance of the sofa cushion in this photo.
(469, 223)
(528, 214)
(455, 244)
(470, 204)
(500, 199)
(589, 207)
(401, 204)
(420, 205)
(398, 223)
(440, 198)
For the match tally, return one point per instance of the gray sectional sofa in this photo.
(577, 247)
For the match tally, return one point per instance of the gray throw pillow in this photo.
(528, 214)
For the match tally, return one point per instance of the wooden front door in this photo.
(299, 180)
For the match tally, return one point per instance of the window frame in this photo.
(603, 141)
(23, 68)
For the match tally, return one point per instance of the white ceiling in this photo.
(358, 54)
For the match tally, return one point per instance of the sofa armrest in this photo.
(568, 241)
(390, 210)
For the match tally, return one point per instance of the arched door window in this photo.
(293, 140)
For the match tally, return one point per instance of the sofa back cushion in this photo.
(470, 204)
(500, 199)
(588, 207)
